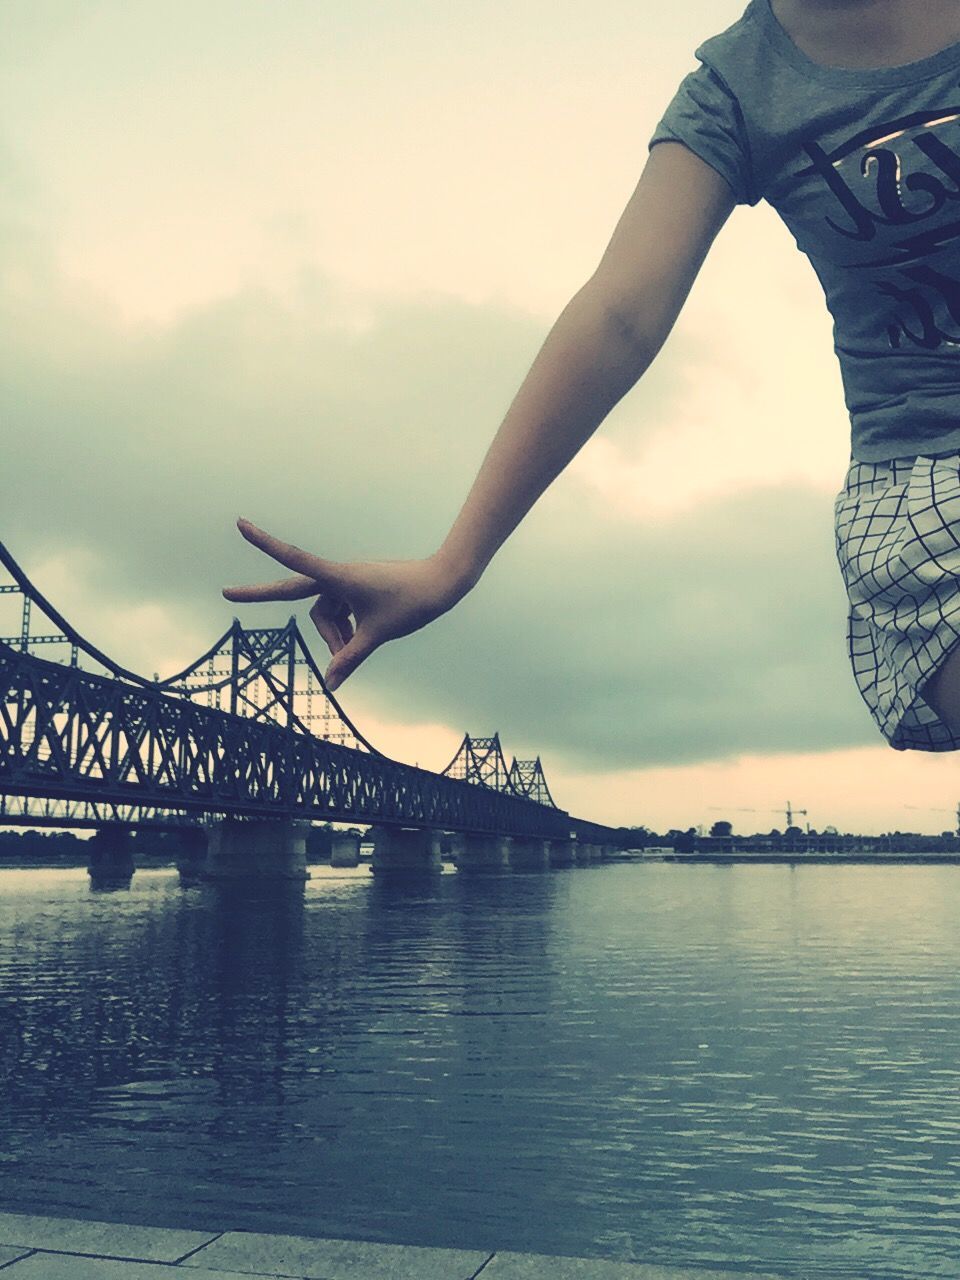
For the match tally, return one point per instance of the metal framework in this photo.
(267, 674)
(482, 762)
(49, 811)
(527, 779)
(249, 728)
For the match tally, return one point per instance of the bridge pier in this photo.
(257, 848)
(527, 853)
(409, 850)
(481, 852)
(191, 854)
(344, 849)
(110, 864)
(563, 853)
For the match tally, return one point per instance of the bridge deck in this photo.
(43, 1248)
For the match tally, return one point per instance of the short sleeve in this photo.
(706, 117)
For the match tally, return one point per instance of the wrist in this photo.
(460, 572)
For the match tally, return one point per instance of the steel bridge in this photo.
(247, 730)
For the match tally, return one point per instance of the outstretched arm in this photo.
(601, 344)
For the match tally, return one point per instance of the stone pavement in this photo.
(38, 1248)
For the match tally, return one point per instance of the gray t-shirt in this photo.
(863, 166)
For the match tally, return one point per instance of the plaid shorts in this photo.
(897, 528)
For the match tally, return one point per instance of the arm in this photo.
(601, 344)
(603, 341)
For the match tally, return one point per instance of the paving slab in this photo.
(313, 1259)
(106, 1239)
(539, 1266)
(8, 1255)
(69, 1266)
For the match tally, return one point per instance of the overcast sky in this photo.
(292, 261)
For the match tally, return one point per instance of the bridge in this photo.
(240, 752)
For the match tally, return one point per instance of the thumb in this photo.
(347, 659)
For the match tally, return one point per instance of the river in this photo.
(741, 1066)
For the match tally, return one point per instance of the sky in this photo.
(292, 262)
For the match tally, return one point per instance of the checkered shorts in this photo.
(898, 544)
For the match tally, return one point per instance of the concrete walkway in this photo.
(37, 1248)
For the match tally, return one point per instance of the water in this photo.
(747, 1066)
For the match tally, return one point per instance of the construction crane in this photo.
(789, 811)
(931, 809)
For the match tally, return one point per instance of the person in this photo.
(844, 115)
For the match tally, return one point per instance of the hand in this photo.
(387, 598)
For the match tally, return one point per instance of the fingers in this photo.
(330, 612)
(291, 557)
(329, 626)
(347, 659)
(297, 588)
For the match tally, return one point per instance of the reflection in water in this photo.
(749, 1067)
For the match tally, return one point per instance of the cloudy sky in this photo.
(292, 261)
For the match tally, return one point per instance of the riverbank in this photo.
(690, 859)
(811, 859)
(43, 1248)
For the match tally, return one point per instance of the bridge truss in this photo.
(249, 728)
(482, 762)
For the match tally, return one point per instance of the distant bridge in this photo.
(247, 730)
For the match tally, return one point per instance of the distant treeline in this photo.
(69, 849)
(150, 848)
(793, 840)
(42, 849)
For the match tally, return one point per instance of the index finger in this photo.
(323, 571)
(297, 588)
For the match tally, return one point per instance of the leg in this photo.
(942, 691)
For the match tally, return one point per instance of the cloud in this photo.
(353, 425)
(617, 644)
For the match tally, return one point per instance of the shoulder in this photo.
(737, 51)
(709, 111)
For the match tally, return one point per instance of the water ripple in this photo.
(746, 1067)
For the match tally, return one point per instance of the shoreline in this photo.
(699, 859)
(813, 859)
(37, 1247)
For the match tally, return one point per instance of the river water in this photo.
(743, 1066)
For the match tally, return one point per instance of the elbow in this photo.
(640, 326)
(643, 333)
